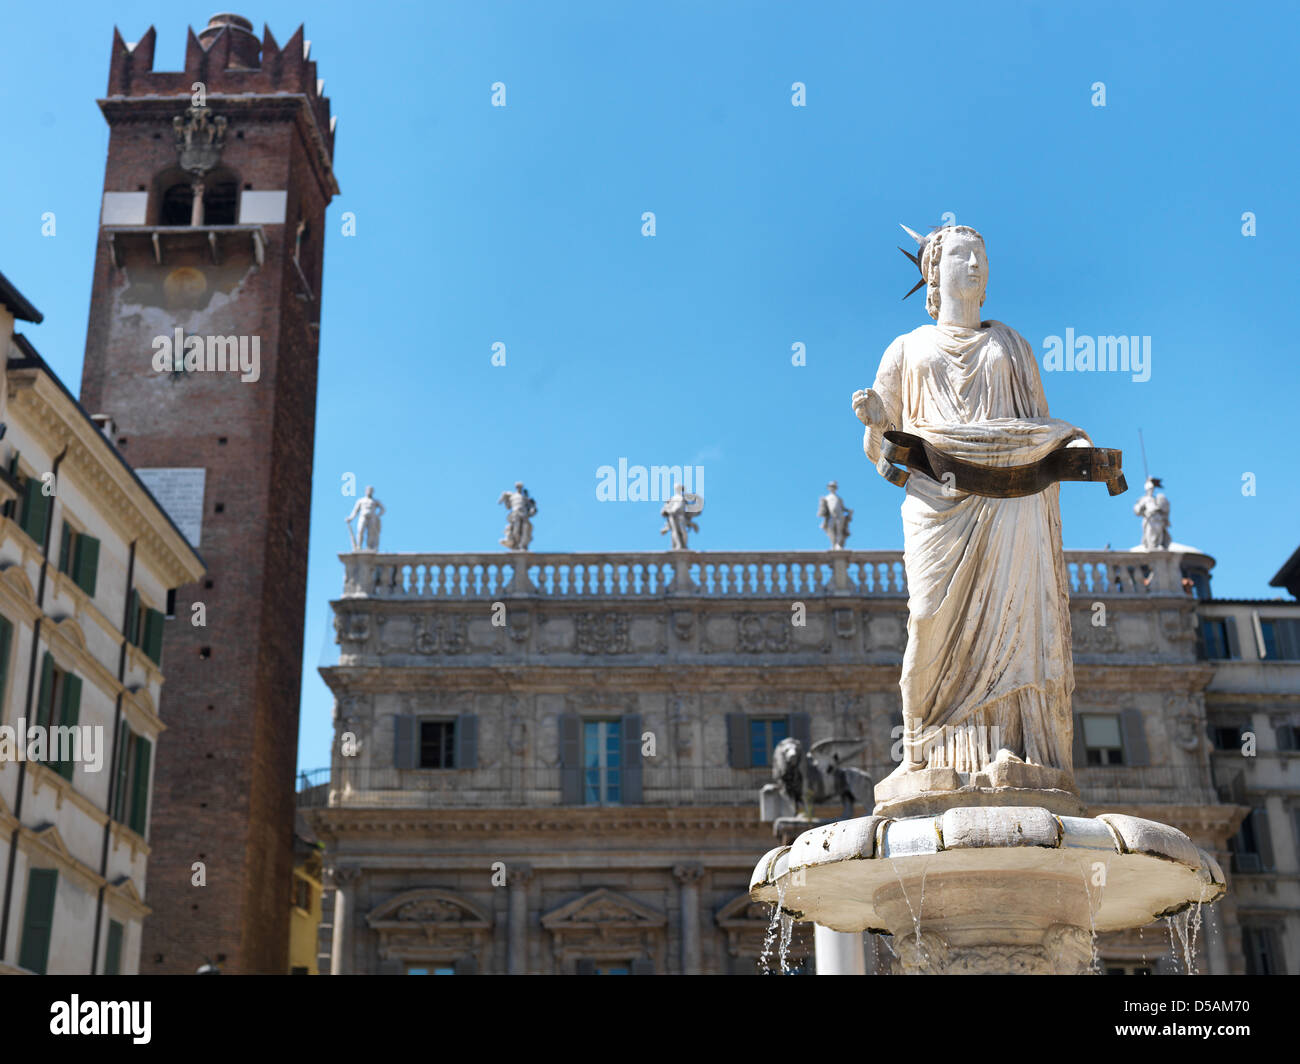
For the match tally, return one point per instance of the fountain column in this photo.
(519, 878)
(689, 876)
(839, 952)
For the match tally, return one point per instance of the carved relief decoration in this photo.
(602, 633)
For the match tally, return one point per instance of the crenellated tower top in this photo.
(228, 60)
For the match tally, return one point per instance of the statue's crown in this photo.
(921, 241)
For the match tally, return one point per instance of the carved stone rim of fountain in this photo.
(991, 888)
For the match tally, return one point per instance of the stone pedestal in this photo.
(924, 791)
(988, 889)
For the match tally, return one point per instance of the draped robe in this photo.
(988, 608)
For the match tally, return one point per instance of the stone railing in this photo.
(707, 574)
(711, 574)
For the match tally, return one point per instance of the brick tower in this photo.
(201, 352)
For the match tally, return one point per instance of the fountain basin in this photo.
(989, 888)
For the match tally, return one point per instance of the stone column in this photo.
(839, 952)
(196, 207)
(346, 881)
(517, 879)
(689, 876)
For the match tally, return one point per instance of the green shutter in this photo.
(140, 786)
(6, 638)
(153, 633)
(133, 620)
(38, 919)
(113, 954)
(69, 717)
(124, 744)
(65, 549)
(86, 567)
(45, 693)
(36, 510)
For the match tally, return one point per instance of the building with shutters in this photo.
(88, 561)
(554, 767)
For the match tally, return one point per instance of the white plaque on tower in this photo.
(180, 493)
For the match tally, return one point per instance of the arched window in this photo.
(177, 205)
(175, 202)
(220, 202)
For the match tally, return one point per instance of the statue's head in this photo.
(1152, 484)
(955, 263)
(832, 486)
(519, 485)
(370, 492)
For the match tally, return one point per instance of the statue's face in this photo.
(963, 267)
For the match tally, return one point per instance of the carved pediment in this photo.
(605, 908)
(428, 907)
(16, 577)
(744, 913)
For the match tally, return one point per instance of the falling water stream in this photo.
(1183, 928)
(772, 926)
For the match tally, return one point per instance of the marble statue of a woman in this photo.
(987, 674)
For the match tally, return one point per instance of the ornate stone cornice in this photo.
(336, 822)
(56, 421)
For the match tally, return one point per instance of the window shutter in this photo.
(406, 742)
(1080, 748)
(133, 619)
(467, 965)
(65, 549)
(36, 510)
(87, 564)
(45, 693)
(643, 966)
(153, 633)
(585, 966)
(113, 952)
(570, 728)
(1234, 644)
(6, 639)
(738, 740)
(126, 742)
(8, 508)
(38, 919)
(467, 741)
(1133, 730)
(800, 725)
(140, 788)
(1288, 639)
(69, 717)
(633, 767)
(1263, 840)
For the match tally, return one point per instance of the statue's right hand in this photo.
(868, 407)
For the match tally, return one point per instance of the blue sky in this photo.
(775, 225)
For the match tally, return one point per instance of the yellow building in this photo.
(305, 904)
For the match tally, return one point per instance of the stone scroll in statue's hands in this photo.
(1006, 458)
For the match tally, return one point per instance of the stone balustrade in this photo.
(706, 574)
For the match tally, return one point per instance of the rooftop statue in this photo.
(366, 513)
(1154, 511)
(519, 521)
(679, 513)
(835, 516)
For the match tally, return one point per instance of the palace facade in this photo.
(550, 763)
